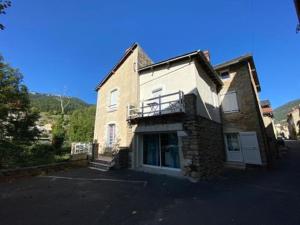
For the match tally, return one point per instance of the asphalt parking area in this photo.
(84, 196)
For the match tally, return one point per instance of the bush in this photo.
(58, 141)
(10, 153)
(42, 151)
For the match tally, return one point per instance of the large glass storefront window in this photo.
(161, 150)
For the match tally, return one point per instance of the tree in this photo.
(58, 133)
(17, 118)
(4, 4)
(81, 125)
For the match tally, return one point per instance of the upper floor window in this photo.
(113, 99)
(225, 74)
(229, 102)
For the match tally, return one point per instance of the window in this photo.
(229, 102)
(111, 134)
(113, 97)
(225, 74)
(232, 141)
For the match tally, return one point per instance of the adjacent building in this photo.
(293, 120)
(182, 115)
(243, 125)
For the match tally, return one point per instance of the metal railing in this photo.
(161, 105)
(79, 148)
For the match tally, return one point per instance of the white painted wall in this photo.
(208, 102)
(183, 76)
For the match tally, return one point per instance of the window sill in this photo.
(111, 108)
(228, 112)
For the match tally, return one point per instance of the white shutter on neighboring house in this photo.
(229, 102)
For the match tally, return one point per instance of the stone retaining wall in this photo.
(9, 174)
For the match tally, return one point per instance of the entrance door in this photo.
(250, 148)
(233, 149)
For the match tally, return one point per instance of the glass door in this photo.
(161, 150)
(151, 154)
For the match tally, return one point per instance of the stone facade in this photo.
(293, 119)
(125, 80)
(249, 115)
(203, 147)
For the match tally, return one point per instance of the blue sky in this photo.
(75, 43)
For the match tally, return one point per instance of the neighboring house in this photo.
(243, 126)
(293, 120)
(282, 131)
(269, 125)
(168, 114)
(115, 92)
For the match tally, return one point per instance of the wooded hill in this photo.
(281, 111)
(51, 104)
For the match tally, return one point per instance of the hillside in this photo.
(281, 112)
(50, 104)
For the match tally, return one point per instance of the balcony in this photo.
(161, 105)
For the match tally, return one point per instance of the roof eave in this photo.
(129, 51)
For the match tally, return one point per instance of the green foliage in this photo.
(51, 104)
(43, 153)
(17, 118)
(81, 125)
(280, 113)
(58, 133)
(4, 4)
(13, 155)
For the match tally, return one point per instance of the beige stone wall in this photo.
(293, 120)
(249, 117)
(125, 79)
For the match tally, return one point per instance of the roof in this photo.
(265, 103)
(194, 54)
(267, 111)
(120, 62)
(244, 58)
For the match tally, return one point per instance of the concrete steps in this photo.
(102, 163)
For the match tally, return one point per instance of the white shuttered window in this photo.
(113, 97)
(229, 102)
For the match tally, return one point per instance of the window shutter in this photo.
(229, 102)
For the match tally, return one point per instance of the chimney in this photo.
(207, 55)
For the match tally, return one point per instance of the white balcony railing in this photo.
(161, 105)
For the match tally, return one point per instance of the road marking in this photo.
(97, 179)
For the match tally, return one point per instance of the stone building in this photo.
(293, 120)
(243, 125)
(168, 115)
(269, 126)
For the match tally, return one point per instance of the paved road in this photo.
(83, 196)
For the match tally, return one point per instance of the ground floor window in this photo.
(161, 150)
(232, 142)
(111, 134)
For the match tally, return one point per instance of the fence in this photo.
(79, 147)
